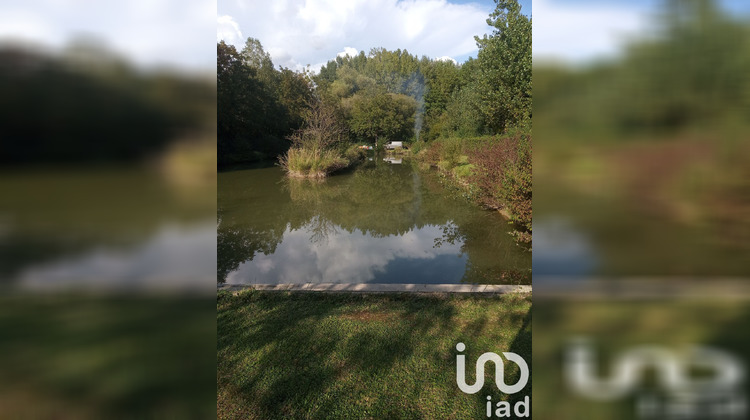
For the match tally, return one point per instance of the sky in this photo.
(580, 31)
(151, 33)
(311, 32)
(297, 33)
(183, 33)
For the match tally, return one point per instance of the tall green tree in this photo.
(295, 94)
(253, 55)
(504, 63)
(258, 106)
(251, 120)
(383, 116)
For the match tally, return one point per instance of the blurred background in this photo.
(107, 209)
(643, 138)
(584, 349)
(642, 207)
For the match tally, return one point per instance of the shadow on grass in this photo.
(300, 355)
(521, 345)
(91, 357)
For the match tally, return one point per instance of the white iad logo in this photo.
(503, 407)
(716, 395)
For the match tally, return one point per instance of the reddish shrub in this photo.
(432, 153)
(491, 161)
(503, 177)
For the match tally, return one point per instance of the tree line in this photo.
(87, 105)
(379, 96)
(693, 71)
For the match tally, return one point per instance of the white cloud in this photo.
(19, 24)
(301, 32)
(446, 58)
(348, 258)
(175, 258)
(351, 52)
(578, 32)
(229, 31)
(150, 32)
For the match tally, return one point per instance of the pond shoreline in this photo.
(492, 172)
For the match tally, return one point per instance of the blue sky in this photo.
(490, 4)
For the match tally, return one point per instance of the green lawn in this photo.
(67, 356)
(331, 356)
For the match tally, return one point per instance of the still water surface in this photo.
(381, 223)
(123, 228)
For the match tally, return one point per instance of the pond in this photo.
(125, 228)
(598, 236)
(384, 222)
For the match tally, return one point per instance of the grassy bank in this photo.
(493, 171)
(342, 356)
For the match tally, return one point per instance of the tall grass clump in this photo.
(319, 147)
(311, 163)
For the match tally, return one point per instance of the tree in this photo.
(294, 93)
(251, 120)
(60, 109)
(253, 55)
(323, 129)
(504, 63)
(383, 115)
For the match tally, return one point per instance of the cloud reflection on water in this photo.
(355, 257)
(174, 257)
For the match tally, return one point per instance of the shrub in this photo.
(354, 154)
(380, 143)
(318, 149)
(323, 129)
(452, 151)
(444, 165)
(517, 189)
(417, 147)
(431, 154)
(503, 174)
(463, 171)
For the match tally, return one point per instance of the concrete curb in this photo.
(381, 288)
